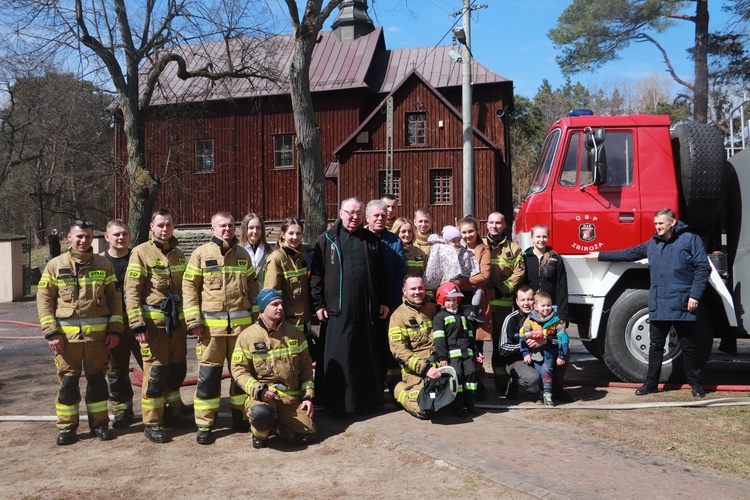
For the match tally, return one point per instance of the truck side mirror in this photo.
(597, 158)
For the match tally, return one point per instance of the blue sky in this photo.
(510, 38)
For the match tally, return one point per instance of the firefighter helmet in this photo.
(446, 290)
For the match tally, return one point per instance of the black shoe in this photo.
(475, 316)
(425, 414)
(122, 420)
(156, 433)
(239, 424)
(259, 443)
(301, 439)
(66, 436)
(511, 391)
(204, 436)
(698, 391)
(562, 397)
(104, 433)
(472, 409)
(645, 389)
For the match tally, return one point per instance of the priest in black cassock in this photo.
(346, 283)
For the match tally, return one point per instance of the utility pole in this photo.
(464, 36)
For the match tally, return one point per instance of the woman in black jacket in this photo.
(545, 270)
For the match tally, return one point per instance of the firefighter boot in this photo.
(203, 436)
(156, 433)
(259, 443)
(471, 408)
(66, 435)
(122, 420)
(103, 432)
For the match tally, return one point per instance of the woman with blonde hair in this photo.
(415, 257)
(253, 238)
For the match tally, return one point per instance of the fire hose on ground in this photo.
(741, 401)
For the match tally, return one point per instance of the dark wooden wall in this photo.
(244, 178)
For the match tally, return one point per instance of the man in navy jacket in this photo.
(679, 273)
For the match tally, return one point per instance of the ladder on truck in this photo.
(738, 140)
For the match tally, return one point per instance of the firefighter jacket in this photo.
(155, 269)
(416, 260)
(286, 272)
(77, 297)
(273, 360)
(506, 271)
(410, 337)
(421, 241)
(219, 287)
(452, 336)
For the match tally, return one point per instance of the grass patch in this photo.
(716, 438)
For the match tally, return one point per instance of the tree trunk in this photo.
(143, 187)
(700, 92)
(308, 137)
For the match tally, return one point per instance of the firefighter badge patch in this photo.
(587, 232)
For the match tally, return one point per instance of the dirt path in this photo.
(508, 454)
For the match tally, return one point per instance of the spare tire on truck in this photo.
(699, 158)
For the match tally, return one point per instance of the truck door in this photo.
(590, 218)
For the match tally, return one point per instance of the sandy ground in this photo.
(508, 451)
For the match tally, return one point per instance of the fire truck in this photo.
(599, 181)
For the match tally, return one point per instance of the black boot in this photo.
(471, 408)
(239, 423)
(66, 435)
(123, 419)
(475, 316)
(156, 433)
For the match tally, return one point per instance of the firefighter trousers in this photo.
(275, 417)
(406, 393)
(213, 353)
(118, 375)
(90, 358)
(164, 370)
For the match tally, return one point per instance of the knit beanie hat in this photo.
(265, 297)
(450, 233)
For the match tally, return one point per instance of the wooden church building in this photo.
(390, 122)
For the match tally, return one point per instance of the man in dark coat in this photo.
(679, 272)
(346, 293)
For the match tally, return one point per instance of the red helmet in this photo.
(447, 290)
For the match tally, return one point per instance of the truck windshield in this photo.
(546, 160)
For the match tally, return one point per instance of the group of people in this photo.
(97, 310)
(393, 315)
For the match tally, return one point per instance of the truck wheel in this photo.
(700, 163)
(592, 346)
(627, 341)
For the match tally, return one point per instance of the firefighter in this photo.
(506, 274)
(219, 289)
(152, 297)
(410, 339)
(80, 314)
(272, 364)
(118, 375)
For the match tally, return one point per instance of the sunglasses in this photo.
(83, 224)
